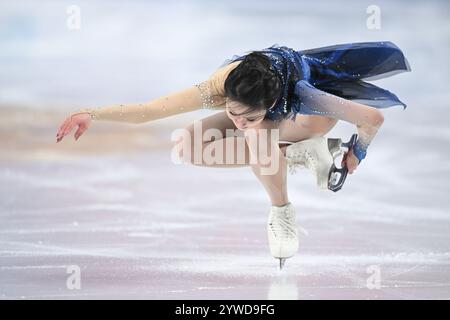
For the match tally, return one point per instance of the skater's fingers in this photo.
(80, 131)
(352, 164)
(67, 128)
(61, 128)
(67, 125)
(80, 119)
(350, 161)
(344, 160)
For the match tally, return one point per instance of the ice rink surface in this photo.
(139, 226)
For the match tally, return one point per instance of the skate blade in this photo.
(333, 183)
(285, 142)
(334, 146)
(282, 262)
(351, 142)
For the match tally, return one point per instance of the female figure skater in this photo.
(302, 94)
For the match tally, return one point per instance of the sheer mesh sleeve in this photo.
(210, 98)
(212, 90)
(314, 101)
(208, 94)
(165, 106)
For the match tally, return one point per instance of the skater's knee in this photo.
(376, 118)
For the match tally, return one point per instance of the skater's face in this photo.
(244, 117)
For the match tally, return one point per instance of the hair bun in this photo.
(253, 82)
(255, 75)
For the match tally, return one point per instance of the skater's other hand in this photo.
(82, 120)
(350, 161)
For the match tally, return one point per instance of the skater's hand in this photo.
(82, 120)
(350, 161)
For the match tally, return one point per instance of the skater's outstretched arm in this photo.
(367, 119)
(183, 101)
(207, 94)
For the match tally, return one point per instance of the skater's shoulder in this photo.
(217, 79)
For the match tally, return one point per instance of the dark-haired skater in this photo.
(300, 94)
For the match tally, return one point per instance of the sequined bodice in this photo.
(287, 64)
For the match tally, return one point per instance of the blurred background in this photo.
(139, 226)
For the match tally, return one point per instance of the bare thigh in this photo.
(305, 127)
(219, 121)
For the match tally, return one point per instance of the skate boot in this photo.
(318, 154)
(282, 232)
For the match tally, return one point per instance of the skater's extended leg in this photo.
(304, 127)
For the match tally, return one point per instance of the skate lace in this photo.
(300, 160)
(283, 226)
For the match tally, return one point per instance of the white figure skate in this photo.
(282, 232)
(318, 154)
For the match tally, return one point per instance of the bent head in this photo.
(243, 116)
(252, 88)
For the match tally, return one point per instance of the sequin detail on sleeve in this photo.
(91, 112)
(205, 93)
(314, 101)
(209, 101)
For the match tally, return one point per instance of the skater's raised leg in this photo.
(303, 128)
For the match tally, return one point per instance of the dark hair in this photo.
(253, 82)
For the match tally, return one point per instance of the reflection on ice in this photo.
(282, 288)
